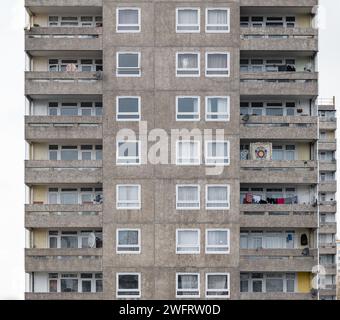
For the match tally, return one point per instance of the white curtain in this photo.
(188, 193)
(217, 281)
(128, 16)
(187, 61)
(217, 105)
(187, 281)
(128, 149)
(187, 16)
(218, 237)
(217, 61)
(217, 193)
(188, 151)
(217, 17)
(128, 194)
(188, 238)
(274, 241)
(217, 149)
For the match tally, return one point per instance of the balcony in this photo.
(279, 83)
(327, 227)
(63, 216)
(327, 206)
(63, 260)
(279, 3)
(327, 166)
(45, 172)
(56, 83)
(62, 38)
(327, 248)
(47, 128)
(276, 296)
(327, 145)
(64, 296)
(327, 124)
(293, 39)
(280, 260)
(265, 127)
(257, 171)
(277, 216)
(327, 186)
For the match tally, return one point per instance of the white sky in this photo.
(12, 191)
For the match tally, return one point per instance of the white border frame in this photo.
(138, 67)
(138, 289)
(206, 108)
(189, 25)
(139, 153)
(198, 110)
(199, 156)
(129, 25)
(139, 108)
(217, 69)
(198, 285)
(218, 296)
(127, 246)
(214, 25)
(198, 54)
(198, 236)
(139, 196)
(228, 196)
(199, 196)
(206, 153)
(206, 241)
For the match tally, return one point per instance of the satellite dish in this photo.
(91, 240)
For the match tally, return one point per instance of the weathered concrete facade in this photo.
(60, 188)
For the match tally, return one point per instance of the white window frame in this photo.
(198, 244)
(183, 290)
(214, 290)
(118, 158)
(207, 163)
(217, 25)
(138, 67)
(207, 201)
(198, 114)
(138, 289)
(227, 251)
(211, 113)
(138, 245)
(139, 197)
(125, 113)
(199, 196)
(197, 160)
(189, 25)
(198, 70)
(128, 25)
(217, 69)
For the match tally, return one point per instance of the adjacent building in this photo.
(245, 213)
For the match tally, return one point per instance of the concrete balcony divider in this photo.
(328, 227)
(63, 260)
(63, 216)
(257, 171)
(327, 186)
(276, 296)
(47, 128)
(45, 171)
(64, 296)
(45, 82)
(61, 38)
(278, 216)
(280, 260)
(279, 83)
(266, 127)
(63, 3)
(279, 3)
(279, 39)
